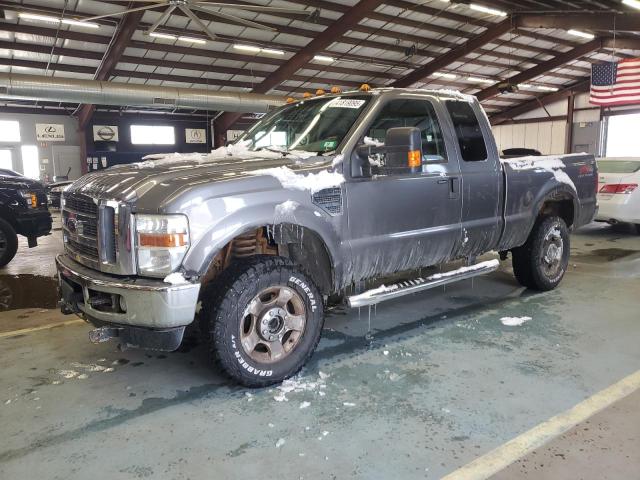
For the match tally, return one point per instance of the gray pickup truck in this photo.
(322, 201)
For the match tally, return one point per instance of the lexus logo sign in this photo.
(105, 133)
(49, 132)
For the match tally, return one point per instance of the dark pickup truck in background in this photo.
(323, 200)
(23, 211)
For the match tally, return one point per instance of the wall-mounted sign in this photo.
(233, 134)
(49, 132)
(196, 135)
(105, 133)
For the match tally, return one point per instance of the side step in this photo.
(383, 293)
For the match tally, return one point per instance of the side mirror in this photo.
(403, 146)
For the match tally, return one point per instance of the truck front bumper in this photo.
(123, 302)
(33, 223)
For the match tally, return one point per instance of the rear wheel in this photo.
(8, 242)
(542, 261)
(263, 320)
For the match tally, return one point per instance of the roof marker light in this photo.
(578, 33)
(490, 11)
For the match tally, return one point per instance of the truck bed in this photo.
(530, 180)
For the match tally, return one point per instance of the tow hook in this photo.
(103, 334)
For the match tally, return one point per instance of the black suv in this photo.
(23, 211)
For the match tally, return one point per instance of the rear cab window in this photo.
(468, 131)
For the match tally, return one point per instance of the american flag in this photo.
(615, 83)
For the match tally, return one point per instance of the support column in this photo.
(571, 101)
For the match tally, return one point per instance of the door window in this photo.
(468, 131)
(411, 113)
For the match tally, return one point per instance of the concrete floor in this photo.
(434, 382)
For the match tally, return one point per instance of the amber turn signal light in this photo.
(415, 158)
(166, 240)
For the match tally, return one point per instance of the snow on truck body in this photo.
(338, 185)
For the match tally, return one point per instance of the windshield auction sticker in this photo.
(346, 103)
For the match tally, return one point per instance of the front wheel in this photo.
(8, 242)
(542, 261)
(263, 320)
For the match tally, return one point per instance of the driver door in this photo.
(403, 221)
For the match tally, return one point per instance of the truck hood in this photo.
(168, 176)
(20, 183)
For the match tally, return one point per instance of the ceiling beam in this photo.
(306, 54)
(120, 41)
(510, 114)
(543, 68)
(455, 54)
(582, 21)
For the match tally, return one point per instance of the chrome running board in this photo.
(407, 287)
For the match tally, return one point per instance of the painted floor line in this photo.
(501, 457)
(23, 331)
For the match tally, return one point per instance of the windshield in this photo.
(618, 166)
(317, 125)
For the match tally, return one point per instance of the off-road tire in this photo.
(528, 259)
(10, 241)
(225, 301)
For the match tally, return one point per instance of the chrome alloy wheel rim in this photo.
(553, 252)
(273, 324)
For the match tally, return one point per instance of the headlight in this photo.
(162, 242)
(30, 197)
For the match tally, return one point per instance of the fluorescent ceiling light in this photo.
(42, 18)
(192, 40)
(272, 51)
(450, 76)
(50, 19)
(578, 33)
(480, 80)
(547, 89)
(525, 86)
(163, 35)
(632, 3)
(322, 58)
(248, 48)
(79, 23)
(490, 11)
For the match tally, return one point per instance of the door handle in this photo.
(453, 187)
(443, 181)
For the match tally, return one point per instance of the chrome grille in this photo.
(80, 222)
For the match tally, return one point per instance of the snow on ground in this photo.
(313, 182)
(514, 321)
